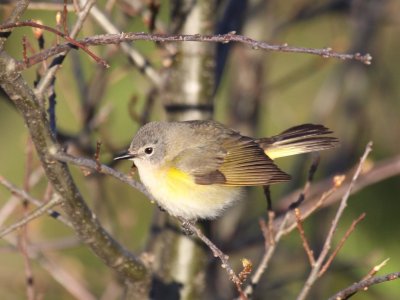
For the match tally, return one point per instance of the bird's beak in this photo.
(126, 155)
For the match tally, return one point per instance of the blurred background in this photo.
(256, 92)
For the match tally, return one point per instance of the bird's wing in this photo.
(234, 160)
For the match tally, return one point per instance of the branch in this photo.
(58, 33)
(103, 169)
(379, 172)
(107, 39)
(340, 244)
(33, 215)
(96, 166)
(26, 197)
(85, 223)
(47, 78)
(313, 276)
(15, 15)
(306, 245)
(363, 285)
(217, 253)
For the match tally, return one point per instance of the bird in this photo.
(197, 169)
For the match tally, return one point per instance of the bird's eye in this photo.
(148, 150)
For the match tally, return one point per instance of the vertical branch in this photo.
(23, 237)
(190, 83)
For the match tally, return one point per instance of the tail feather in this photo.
(299, 139)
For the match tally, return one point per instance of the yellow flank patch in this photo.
(179, 183)
(174, 174)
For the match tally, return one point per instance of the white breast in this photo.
(184, 198)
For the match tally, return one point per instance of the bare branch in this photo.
(363, 285)
(376, 269)
(93, 165)
(85, 223)
(58, 33)
(310, 253)
(33, 215)
(107, 39)
(313, 276)
(255, 279)
(341, 243)
(20, 7)
(217, 253)
(24, 195)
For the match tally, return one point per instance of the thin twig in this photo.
(363, 285)
(23, 236)
(42, 6)
(118, 38)
(143, 64)
(69, 282)
(255, 279)
(64, 17)
(58, 33)
(310, 253)
(19, 8)
(217, 253)
(272, 239)
(91, 164)
(337, 181)
(340, 245)
(24, 195)
(33, 215)
(313, 276)
(375, 269)
(47, 78)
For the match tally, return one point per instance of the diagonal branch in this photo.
(85, 223)
(363, 285)
(33, 215)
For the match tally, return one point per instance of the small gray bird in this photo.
(196, 169)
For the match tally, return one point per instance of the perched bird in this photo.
(196, 169)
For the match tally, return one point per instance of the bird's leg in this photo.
(267, 194)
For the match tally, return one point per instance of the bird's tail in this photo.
(299, 139)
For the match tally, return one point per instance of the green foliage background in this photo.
(362, 104)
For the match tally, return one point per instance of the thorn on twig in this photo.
(306, 245)
(341, 243)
